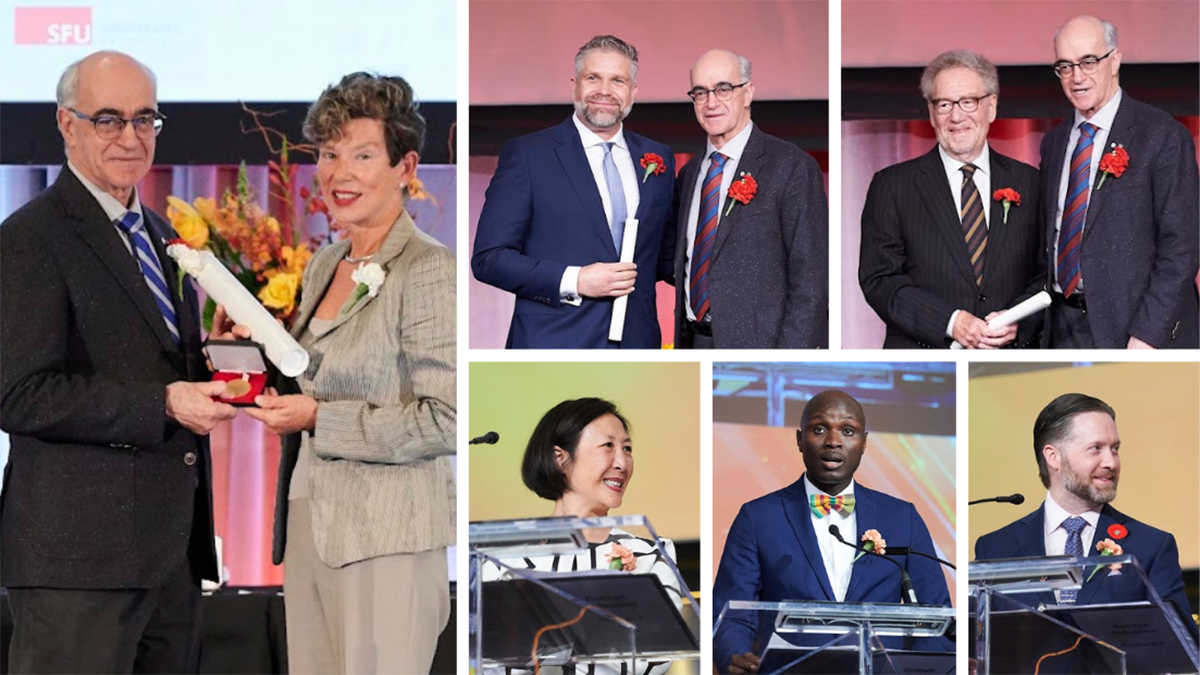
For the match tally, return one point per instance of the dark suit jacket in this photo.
(769, 273)
(1140, 245)
(1156, 551)
(97, 494)
(914, 267)
(771, 555)
(542, 214)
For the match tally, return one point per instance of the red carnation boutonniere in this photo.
(742, 190)
(653, 164)
(1114, 163)
(1009, 197)
(621, 558)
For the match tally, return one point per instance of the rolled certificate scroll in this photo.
(616, 329)
(1024, 309)
(243, 308)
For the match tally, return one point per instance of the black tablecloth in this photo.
(245, 632)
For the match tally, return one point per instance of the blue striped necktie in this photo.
(152, 272)
(1070, 232)
(706, 235)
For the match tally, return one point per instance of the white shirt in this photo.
(1103, 121)
(1055, 534)
(733, 150)
(983, 182)
(593, 147)
(114, 209)
(837, 556)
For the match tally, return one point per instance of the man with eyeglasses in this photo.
(1120, 185)
(106, 522)
(941, 252)
(554, 221)
(751, 266)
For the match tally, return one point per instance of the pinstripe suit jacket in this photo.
(913, 264)
(384, 379)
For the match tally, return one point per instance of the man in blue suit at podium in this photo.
(554, 220)
(780, 548)
(1076, 444)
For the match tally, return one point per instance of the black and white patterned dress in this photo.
(648, 561)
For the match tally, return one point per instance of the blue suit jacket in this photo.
(542, 214)
(771, 555)
(1155, 550)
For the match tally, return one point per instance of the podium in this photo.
(606, 617)
(837, 637)
(1018, 625)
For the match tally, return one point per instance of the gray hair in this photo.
(67, 92)
(610, 43)
(744, 67)
(960, 58)
(1110, 33)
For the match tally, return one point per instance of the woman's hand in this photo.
(285, 414)
(223, 328)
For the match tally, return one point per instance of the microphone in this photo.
(490, 438)
(907, 594)
(1010, 499)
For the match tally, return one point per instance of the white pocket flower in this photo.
(369, 277)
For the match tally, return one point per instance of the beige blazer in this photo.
(384, 379)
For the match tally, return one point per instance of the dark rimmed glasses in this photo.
(110, 127)
(723, 91)
(1087, 64)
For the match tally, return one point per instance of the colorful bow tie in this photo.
(823, 504)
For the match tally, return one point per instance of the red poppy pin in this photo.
(1117, 531)
(1009, 197)
(653, 164)
(742, 190)
(1113, 163)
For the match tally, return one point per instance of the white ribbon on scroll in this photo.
(616, 329)
(1024, 309)
(243, 308)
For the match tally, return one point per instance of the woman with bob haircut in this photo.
(580, 457)
(365, 500)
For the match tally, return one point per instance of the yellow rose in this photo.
(280, 292)
(207, 208)
(188, 222)
(295, 259)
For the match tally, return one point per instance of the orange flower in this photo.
(295, 259)
(621, 558)
(1107, 547)
(875, 541)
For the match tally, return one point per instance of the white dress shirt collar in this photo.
(1055, 515)
(1105, 116)
(590, 138)
(113, 208)
(810, 489)
(954, 166)
(733, 149)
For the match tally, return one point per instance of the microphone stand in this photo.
(907, 594)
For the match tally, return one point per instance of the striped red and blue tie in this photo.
(1070, 233)
(706, 235)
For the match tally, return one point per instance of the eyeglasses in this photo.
(968, 105)
(110, 127)
(1087, 64)
(724, 92)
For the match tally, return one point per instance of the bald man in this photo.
(1122, 250)
(780, 547)
(752, 274)
(106, 523)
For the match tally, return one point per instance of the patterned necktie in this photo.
(974, 226)
(822, 505)
(152, 272)
(1070, 232)
(1074, 526)
(616, 194)
(706, 235)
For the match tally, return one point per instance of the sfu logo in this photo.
(53, 26)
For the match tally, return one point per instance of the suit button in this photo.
(189, 458)
(982, 298)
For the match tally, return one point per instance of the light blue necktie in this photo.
(616, 195)
(1074, 526)
(152, 272)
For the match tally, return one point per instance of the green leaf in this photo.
(210, 308)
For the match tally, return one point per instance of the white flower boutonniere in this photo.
(369, 277)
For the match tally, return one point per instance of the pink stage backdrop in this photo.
(523, 51)
(1010, 32)
(245, 456)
